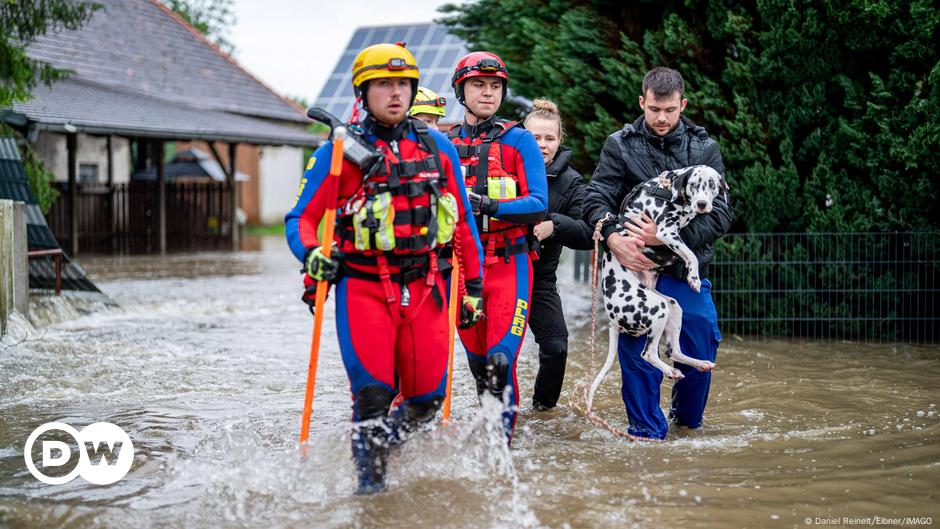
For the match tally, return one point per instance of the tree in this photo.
(213, 18)
(828, 113)
(20, 24)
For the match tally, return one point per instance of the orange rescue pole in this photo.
(326, 241)
(452, 328)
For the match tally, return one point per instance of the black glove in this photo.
(310, 298)
(471, 306)
(482, 204)
(320, 267)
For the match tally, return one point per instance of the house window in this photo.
(87, 172)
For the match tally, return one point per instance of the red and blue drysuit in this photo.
(391, 314)
(495, 153)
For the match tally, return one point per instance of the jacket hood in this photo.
(560, 163)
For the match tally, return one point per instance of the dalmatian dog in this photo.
(633, 305)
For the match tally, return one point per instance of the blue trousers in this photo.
(641, 381)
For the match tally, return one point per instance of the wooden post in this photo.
(233, 198)
(110, 162)
(111, 208)
(161, 190)
(71, 141)
(7, 254)
(20, 260)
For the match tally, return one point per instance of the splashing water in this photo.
(204, 367)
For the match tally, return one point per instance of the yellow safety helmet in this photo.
(428, 102)
(384, 60)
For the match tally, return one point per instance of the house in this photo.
(145, 82)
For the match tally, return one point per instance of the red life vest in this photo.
(400, 197)
(495, 234)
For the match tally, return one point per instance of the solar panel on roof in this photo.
(358, 38)
(451, 55)
(437, 36)
(330, 89)
(419, 35)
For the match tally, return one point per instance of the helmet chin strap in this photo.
(463, 100)
(472, 113)
(354, 118)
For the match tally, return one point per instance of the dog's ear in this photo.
(723, 188)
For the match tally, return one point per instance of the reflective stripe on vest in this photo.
(370, 216)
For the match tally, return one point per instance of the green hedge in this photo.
(828, 113)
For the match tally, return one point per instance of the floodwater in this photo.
(205, 369)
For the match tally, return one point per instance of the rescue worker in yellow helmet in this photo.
(399, 209)
(428, 107)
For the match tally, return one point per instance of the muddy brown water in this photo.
(205, 369)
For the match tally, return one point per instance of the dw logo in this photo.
(105, 453)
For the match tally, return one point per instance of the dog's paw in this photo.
(695, 283)
(705, 365)
(674, 374)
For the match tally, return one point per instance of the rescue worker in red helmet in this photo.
(505, 172)
(397, 210)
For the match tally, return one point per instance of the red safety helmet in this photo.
(478, 64)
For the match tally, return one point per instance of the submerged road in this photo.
(204, 367)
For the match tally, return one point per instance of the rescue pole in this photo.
(326, 242)
(452, 315)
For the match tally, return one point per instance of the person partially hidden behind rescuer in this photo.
(562, 227)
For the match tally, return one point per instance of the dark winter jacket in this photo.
(566, 191)
(634, 155)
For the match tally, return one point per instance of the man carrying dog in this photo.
(660, 140)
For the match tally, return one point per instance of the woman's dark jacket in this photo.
(566, 191)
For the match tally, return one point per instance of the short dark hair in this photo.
(663, 82)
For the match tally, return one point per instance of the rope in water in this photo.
(578, 398)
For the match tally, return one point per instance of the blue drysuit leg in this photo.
(641, 381)
(699, 339)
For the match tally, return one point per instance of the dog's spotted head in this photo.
(698, 185)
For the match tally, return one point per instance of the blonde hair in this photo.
(548, 110)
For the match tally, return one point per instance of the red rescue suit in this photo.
(502, 161)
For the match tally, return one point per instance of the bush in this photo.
(828, 113)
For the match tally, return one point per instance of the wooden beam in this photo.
(111, 215)
(158, 146)
(233, 198)
(218, 158)
(71, 141)
(110, 162)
